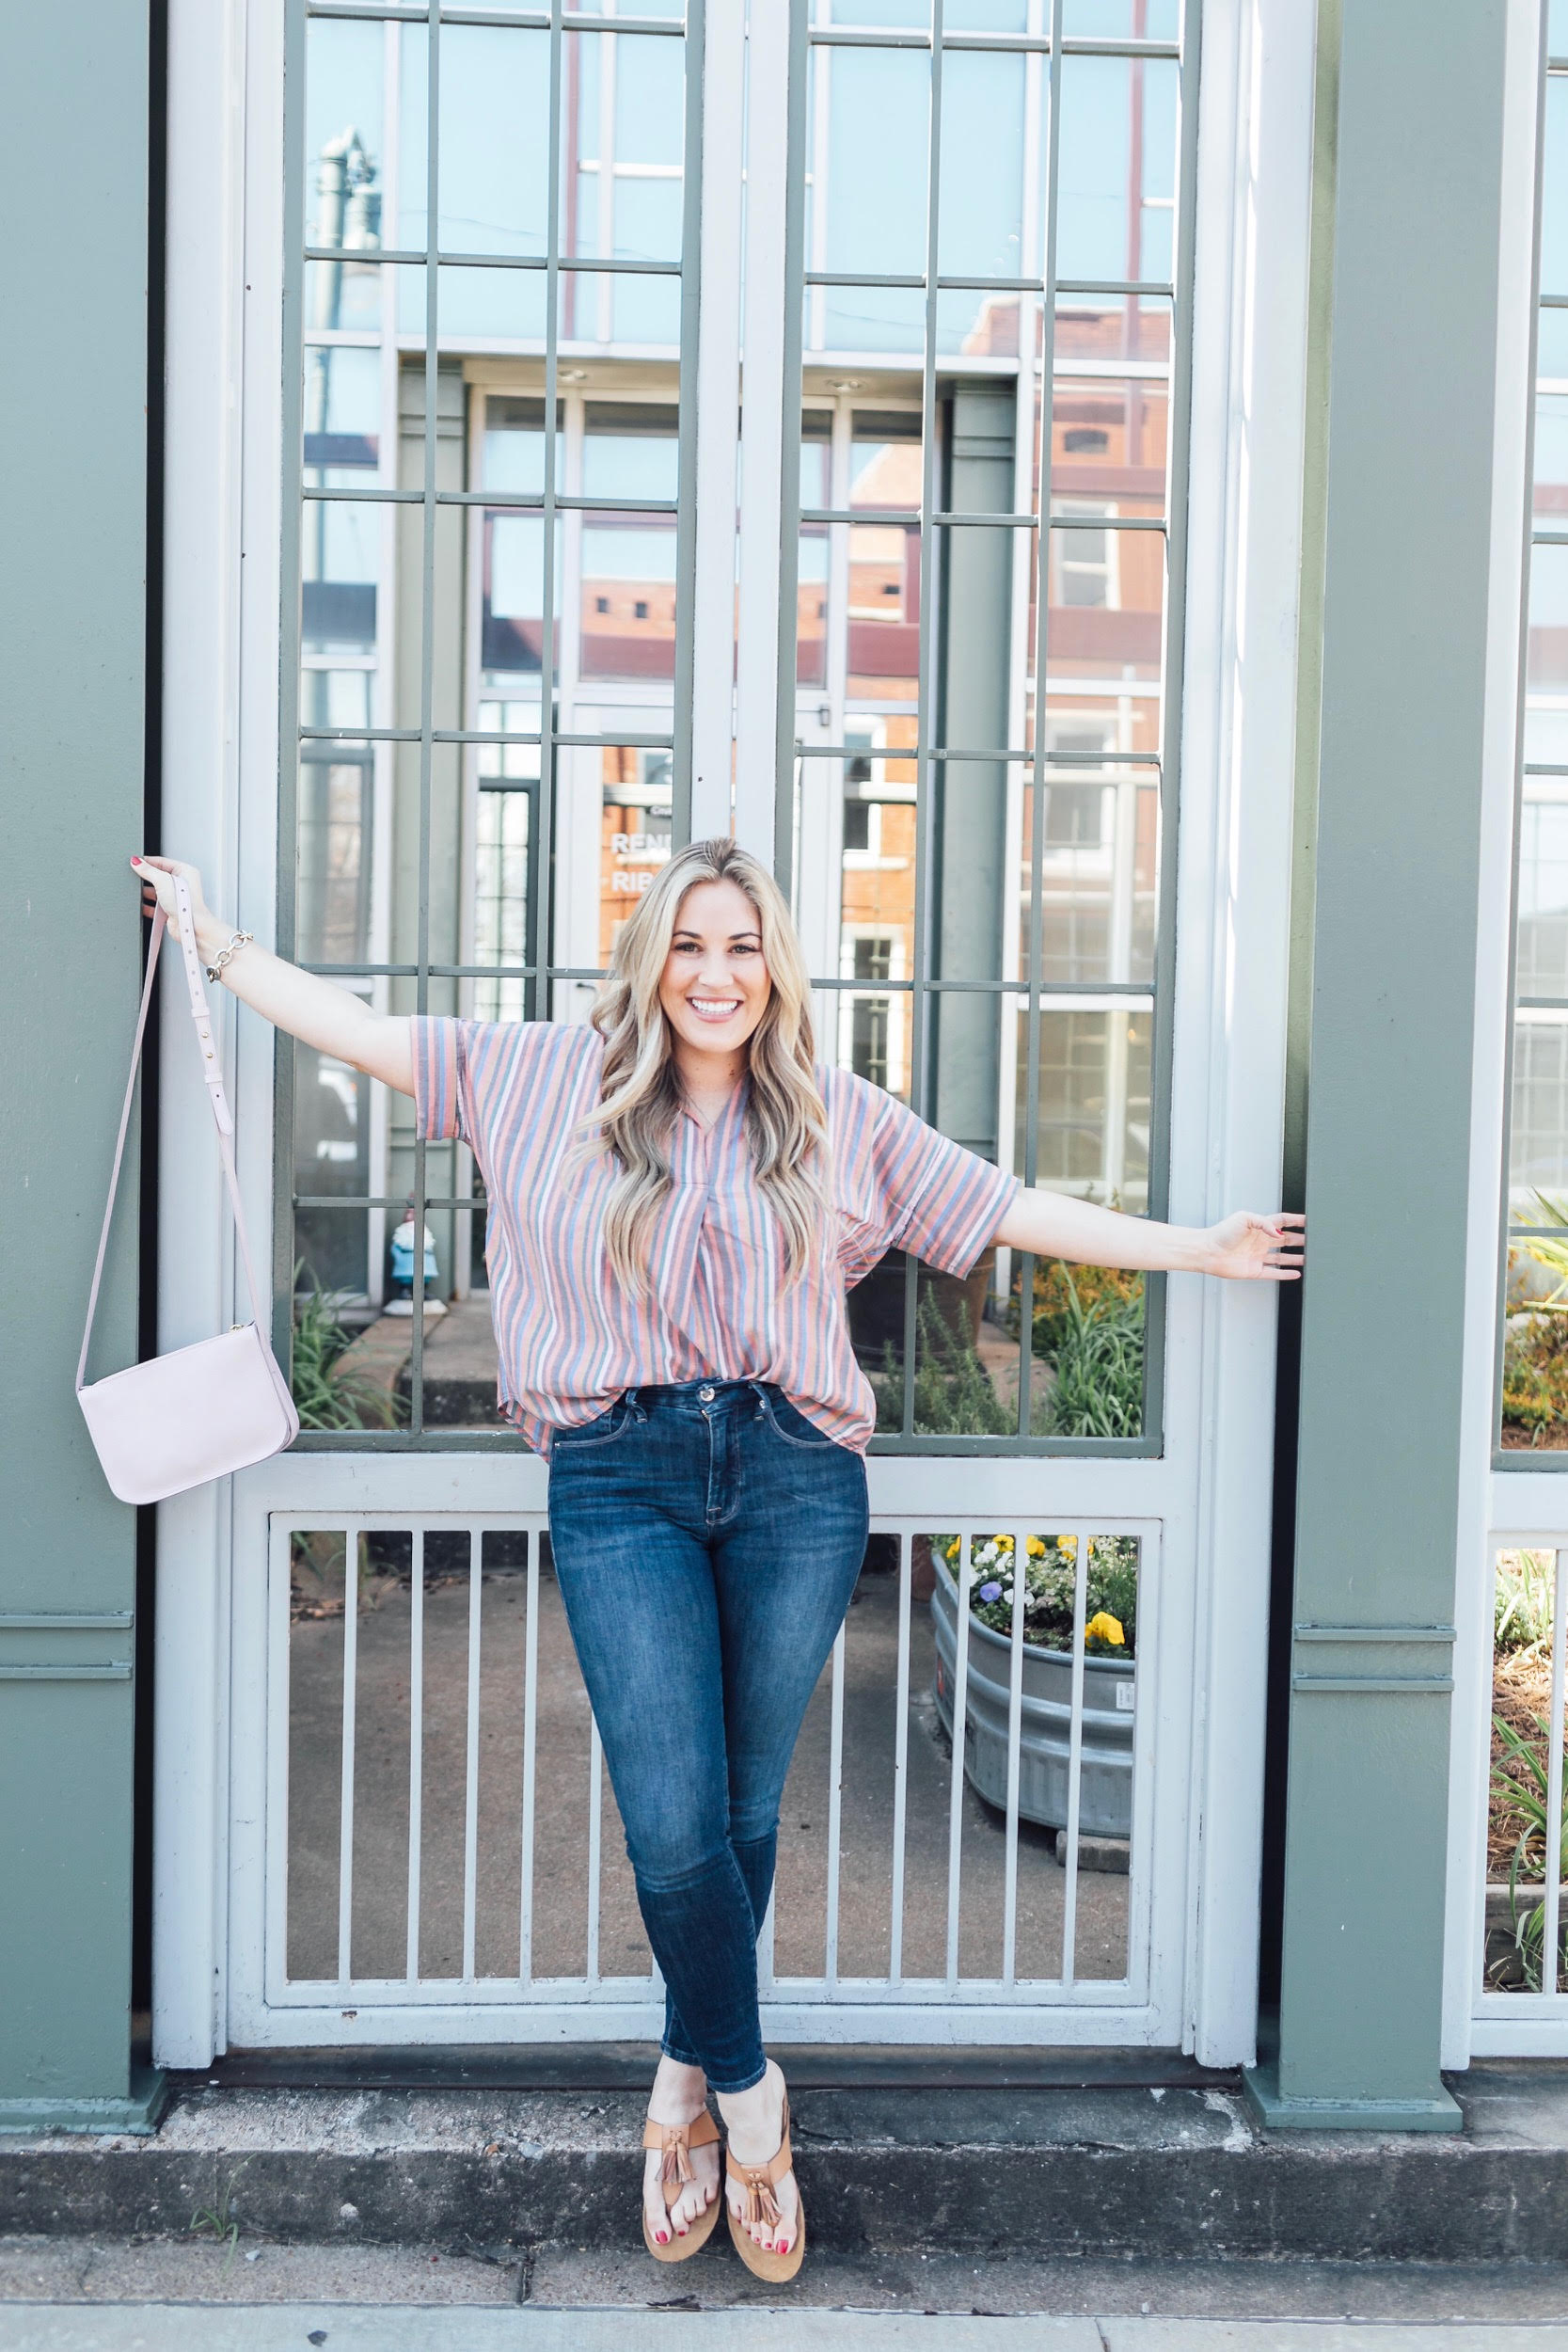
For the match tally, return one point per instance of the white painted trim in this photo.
(200, 690)
(718, 397)
(757, 685)
(1483, 1495)
(1249, 347)
(1210, 1493)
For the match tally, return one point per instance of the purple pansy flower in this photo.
(992, 1591)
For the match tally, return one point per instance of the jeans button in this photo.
(704, 1396)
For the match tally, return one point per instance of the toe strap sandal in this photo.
(759, 2181)
(675, 2142)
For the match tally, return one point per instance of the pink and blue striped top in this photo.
(569, 1336)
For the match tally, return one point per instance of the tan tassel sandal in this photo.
(675, 2142)
(759, 2181)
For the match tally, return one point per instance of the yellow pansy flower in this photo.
(1102, 1627)
(1036, 1548)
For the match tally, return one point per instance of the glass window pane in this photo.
(512, 617)
(1117, 167)
(1092, 1134)
(1554, 189)
(1108, 435)
(886, 466)
(629, 596)
(341, 557)
(1547, 661)
(488, 305)
(980, 227)
(1542, 891)
(1099, 861)
(512, 455)
(631, 450)
(495, 139)
(342, 415)
(877, 169)
(344, 132)
(884, 611)
(413, 186)
(634, 833)
(1121, 20)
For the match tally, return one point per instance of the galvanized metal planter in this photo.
(1045, 1725)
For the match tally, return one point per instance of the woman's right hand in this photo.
(156, 876)
(334, 1019)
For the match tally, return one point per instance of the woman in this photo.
(678, 1199)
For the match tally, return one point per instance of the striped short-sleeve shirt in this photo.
(570, 1337)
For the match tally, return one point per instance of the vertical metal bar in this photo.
(290, 632)
(960, 1714)
(835, 1805)
(1015, 1726)
(789, 448)
(470, 1765)
(530, 1743)
(1036, 974)
(427, 662)
(548, 590)
(1170, 747)
(920, 1002)
(759, 687)
(415, 1753)
(595, 1822)
(1526, 557)
(1551, 1938)
(698, 129)
(900, 1756)
(345, 1836)
(1075, 1759)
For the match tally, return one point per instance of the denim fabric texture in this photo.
(707, 1539)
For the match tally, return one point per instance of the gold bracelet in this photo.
(241, 939)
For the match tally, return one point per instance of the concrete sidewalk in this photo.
(284, 2328)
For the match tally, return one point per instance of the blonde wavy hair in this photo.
(641, 1098)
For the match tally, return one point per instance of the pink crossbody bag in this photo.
(178, 1420)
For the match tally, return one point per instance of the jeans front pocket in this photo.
(789, 1422)
(613, 1423)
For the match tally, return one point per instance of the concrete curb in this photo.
(1100, 2174)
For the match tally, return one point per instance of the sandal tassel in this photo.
(760, 2204)
(675, 2169)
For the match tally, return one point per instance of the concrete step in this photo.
(1150, 2171)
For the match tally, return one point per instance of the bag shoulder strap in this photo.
(211, 1070)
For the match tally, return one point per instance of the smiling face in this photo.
(715, 985)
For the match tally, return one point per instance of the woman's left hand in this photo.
(1257, 1249)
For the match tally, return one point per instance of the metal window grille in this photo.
(469, 377)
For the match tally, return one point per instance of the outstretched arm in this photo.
(309, 1006)
(1055, 1225)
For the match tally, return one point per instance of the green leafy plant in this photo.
(1535, 1374)
(219, 2221)
(1521, 1777)
(1521, 1601)
(1550, 1252)
(326, 1398)
(1049, 1584)
(1056, 1284)
(1098, 1387)
(953, 1392)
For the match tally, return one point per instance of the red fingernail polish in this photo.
(135, 861)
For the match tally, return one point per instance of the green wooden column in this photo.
(1415, 159)
(74, 264)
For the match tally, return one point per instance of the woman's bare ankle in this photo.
(679, 2092)
(754, 2117)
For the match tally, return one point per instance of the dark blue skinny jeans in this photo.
(707, 1539)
